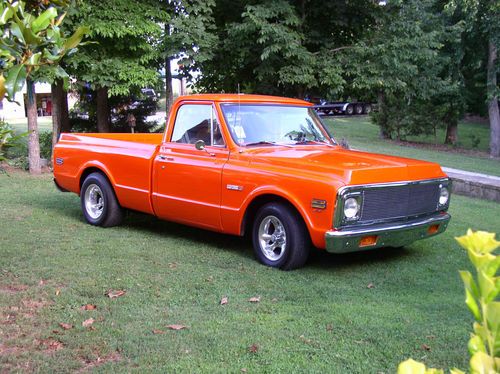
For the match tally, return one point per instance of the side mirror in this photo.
(199, 145)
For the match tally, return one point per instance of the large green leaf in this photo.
(5, 16)
(76, 38)
(43, 20)
(481, 363)
(15, 80)
(35, 59)
(16, 30)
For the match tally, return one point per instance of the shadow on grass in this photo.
(144, 223)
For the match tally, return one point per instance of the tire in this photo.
(280, 237)
(349, 110)
(367, 109)
(99, 204)
(358, 109)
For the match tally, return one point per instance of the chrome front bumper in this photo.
(385, 235)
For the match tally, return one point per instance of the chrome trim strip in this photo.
(395, 235)
(343, 191)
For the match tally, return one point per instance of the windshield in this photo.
(254, 124)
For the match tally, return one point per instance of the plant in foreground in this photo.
(481, 297)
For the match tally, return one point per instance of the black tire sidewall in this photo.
(101, 181)
(294, 232)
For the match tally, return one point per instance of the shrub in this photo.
(8, 138)
(46, 144)
(481, 294)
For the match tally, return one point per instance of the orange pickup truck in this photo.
(259, 165)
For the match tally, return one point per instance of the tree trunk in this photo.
(60, 115)
(384, 133)
(493, 112)
(65, 124)
(451, 133)
(169, 93)
(56, 91)
(33, 140)
(102, 110)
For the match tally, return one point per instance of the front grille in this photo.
(390, 202)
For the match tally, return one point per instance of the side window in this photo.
(195, 122)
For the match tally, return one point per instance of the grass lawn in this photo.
(363, 135)
(21, 124)
(322, 318)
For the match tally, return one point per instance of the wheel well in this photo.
(256, 204)
(89, 171)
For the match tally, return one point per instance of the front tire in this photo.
(280, 237)
(99, 204)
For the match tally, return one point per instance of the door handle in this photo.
(162, 157)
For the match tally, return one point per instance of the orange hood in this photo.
(348, 166)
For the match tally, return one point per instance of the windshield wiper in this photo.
(265, 142)
(318, 142)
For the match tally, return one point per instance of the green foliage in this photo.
(8, 139)
(481, 297)
(126, 53)
(407, 62)
(46, 144)
(295, 46)
(35, 43)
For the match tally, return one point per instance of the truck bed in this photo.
(127, 158)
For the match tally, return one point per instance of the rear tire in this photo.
(280, 237)
(367, 109)
(358, 109)
(349, 110)
(99, 204)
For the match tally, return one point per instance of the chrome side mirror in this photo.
(199, 145)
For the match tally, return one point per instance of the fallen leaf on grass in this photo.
(88, 307)
(51, 344)
(158, 332)
(254, 348)
(65, 326)
(244, 370)
(88, 322)
(426, 347)
(431, 337)
(177, 327)
(370, 285)
(172, 265)
(42, 282)
(113, 294)
(255, 299)
(329, 327)
(223, 301)
(58, 292)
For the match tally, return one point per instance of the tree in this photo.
(481, 44)
(404, 61)
(190, 37)
(294, 48)
(126, 53)
(33, 49)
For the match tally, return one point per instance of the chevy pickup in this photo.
(258, 165)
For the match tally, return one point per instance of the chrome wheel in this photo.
(272, 238)
(94, 201)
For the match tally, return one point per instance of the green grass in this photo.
(21, 124)
(322, 318)
(363, 135)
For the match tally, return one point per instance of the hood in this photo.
(348, 166)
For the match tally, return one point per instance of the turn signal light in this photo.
(366, 241)
(433, 229)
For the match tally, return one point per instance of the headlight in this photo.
(351, 208)
(444, 195)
